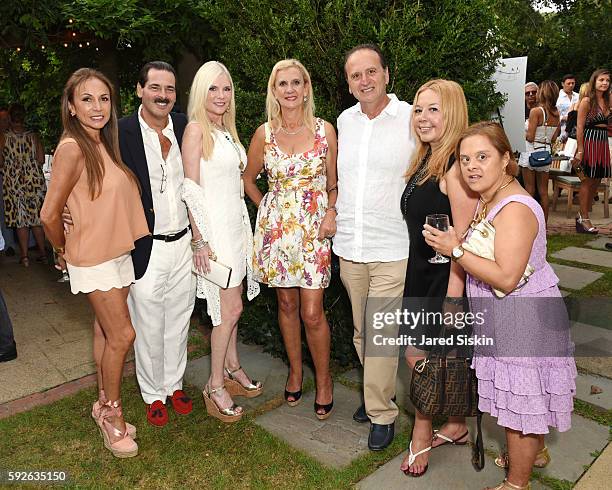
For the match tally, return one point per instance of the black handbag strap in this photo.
(478, 456)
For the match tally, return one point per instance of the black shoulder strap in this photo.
(478, 456)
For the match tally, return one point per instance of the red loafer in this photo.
(181, 403)
(157, 414)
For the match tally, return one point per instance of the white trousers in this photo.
(161, 303)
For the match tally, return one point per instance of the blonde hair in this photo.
(273, 108)
(584, 90)
(455, 117)
(196, 109)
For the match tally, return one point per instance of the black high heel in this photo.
(327, 408)
(296, 395)
(581, 228)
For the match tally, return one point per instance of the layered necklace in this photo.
(292, 133)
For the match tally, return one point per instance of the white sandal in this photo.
(455, 442)
(411, 457)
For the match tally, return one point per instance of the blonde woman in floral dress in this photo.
(296, 218)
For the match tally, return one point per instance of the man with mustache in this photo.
(161, 301)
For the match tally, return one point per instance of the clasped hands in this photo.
(328, 225)
(441, 241)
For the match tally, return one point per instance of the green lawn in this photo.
(193, 451)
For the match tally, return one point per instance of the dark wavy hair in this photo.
(592, 92)
(109, 135)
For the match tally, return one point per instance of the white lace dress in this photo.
(221, 216)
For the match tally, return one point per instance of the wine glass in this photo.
(440, 222)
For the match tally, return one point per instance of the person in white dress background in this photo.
(213, 160)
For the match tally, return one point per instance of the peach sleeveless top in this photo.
(108, 226)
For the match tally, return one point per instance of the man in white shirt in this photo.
(374, 149)
(567, 97)
(161, 301)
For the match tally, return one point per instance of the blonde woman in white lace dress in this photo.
(214, 159)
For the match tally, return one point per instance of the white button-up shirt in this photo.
(170, 212)
(564, 102)
(373, 156)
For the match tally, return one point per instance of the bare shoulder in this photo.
(260, 131)
(193, 130)
(68, 149)
(517, 215)
(329, 127)
(259, 136)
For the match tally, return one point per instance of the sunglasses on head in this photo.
(531, 92)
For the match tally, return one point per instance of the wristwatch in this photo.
(457, 253)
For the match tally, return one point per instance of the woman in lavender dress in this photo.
(526, 378)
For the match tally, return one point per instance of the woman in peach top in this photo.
(103, 197)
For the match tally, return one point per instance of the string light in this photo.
(87, 43)
(70, 21)
(42, 47)
(18, 50)
(80, 45)
(74, 34)
(65, 45)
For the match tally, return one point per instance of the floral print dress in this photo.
(287, 252)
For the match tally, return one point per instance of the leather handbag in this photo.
(444, 386)
(219, 274)
(482, 243)
(448, 386)
(540, 158)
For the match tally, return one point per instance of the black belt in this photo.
(171, 238)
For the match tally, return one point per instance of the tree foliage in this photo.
(422, 40)
(574, 38)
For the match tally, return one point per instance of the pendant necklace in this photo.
(241, 165)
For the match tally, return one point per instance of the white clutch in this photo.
(219, 274)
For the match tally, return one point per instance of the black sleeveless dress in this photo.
(423, 279)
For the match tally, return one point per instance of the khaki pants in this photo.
(385, 282)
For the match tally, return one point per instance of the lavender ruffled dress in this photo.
(527, 378)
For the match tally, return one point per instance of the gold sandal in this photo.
(506, 485)
(502, 459)
(228, 415)
(236, 388)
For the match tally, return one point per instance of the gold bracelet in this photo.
(59, 250)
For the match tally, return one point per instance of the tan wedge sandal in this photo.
(116, 441)
(543, 455)
(236, 388)
(228, 415)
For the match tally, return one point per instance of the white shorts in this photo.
(114, 273)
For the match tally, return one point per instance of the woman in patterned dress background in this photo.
(593, 150)
(295, 220)
(21, 160)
